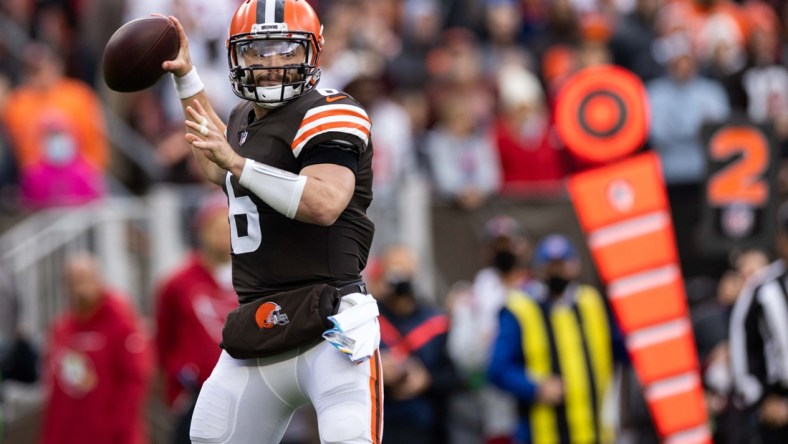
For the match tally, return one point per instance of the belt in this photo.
(353, 287)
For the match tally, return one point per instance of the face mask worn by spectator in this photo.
(401, 288)
(556, 284)
(504, 260)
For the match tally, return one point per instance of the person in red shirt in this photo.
(97, 365)
(192, 304)
(531, 154)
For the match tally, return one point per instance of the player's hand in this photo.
(393, 371)
(182, 63)
(774, 411)
(551, 391)
(471, 198)
(206, 137)
(417, 380)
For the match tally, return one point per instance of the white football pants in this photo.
(252, 400)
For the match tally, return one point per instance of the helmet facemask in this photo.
(271, 69)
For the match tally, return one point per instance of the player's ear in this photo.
(227, 44)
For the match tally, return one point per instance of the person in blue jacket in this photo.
(555, 351)
(418, 375)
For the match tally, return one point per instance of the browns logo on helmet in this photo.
(274, 50)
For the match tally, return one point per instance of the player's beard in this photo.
(274, 77)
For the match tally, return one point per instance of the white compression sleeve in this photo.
(278, 188)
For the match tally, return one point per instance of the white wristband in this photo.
(278, 188)
(188, 85)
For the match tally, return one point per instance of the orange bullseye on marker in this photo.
(601, 113)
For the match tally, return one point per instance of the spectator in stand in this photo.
(474, 323)
(532, 158)
(680, 103)
(58, 133)
(504, 42)
(97, 364)
(724, 56)
(191, 306)
(541, 333)
(556, 45)
(456, 70)
(417, 373)
(633, 38)
(758, 341)
(461, 155)
(421, 30)
(766, 80)
(56, 26)
(394, 162)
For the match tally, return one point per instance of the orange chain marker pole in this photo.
(622, 206)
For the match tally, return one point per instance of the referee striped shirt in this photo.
(759, 336)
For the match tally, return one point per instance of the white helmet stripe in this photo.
(270, 11)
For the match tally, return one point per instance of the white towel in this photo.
(356, 331)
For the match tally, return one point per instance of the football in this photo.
(134, 54)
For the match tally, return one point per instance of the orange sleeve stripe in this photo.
(326, 127)
(332, 113)
(376, 393)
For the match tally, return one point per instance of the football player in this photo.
(295, 163)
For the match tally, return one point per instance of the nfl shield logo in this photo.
(244, 133)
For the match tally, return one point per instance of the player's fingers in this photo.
(192, 124)
(197, 142)
(176, 22)
(169, 65)
(203, 115)
(196, 116)
(198, 106)
(181, 33)
(198, 128)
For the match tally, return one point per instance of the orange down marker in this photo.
(623, 210)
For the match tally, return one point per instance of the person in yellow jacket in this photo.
(555, 351)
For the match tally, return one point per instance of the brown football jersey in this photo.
(271, 252)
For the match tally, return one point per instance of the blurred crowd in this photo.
(461, 94)
(460, 91)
